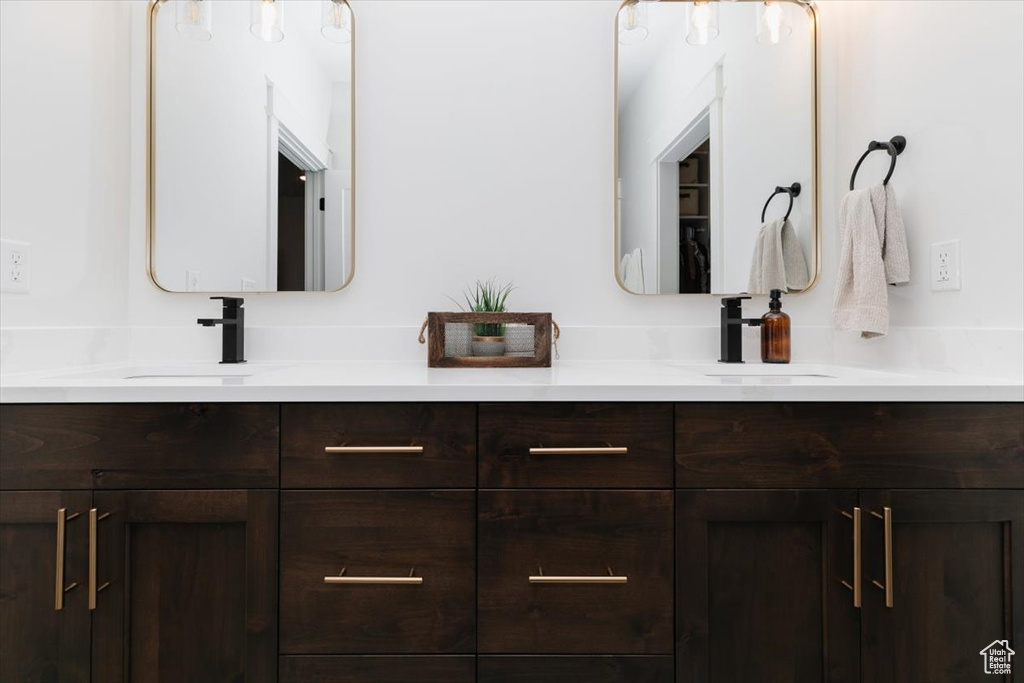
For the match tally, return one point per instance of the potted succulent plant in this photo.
(488, 297)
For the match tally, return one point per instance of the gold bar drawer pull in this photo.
(607, 450)
(95, 516)
(578, 579)
(886, 518)
(375, 580)
(611, 578)
(397, 450)
(62, 519)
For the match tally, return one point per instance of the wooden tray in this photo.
(439, 351)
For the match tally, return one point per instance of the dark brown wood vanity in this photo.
(506, 543)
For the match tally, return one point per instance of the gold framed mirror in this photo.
(251, 138)
(716, 177)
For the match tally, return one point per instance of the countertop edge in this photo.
(476, 394)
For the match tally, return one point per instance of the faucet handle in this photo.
(734, 301)
(230, 301)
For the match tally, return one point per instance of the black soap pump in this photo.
(775, 337)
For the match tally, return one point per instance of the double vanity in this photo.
(731, 527)
(597, 522)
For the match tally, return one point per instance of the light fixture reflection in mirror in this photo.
(701, 22)
(335, 23)
(633, 23)
(772, 27)
(193, 19)
(267, 20)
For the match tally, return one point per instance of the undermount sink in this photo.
(769, 373)
(762, 379)
(199, 372)
(197, 375)
(756, 373)
(172, 373)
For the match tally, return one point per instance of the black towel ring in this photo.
(895, 148)
(793, 191)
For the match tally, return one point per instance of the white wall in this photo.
(950, 77)
(766, 139)
(64, 159)
(212, 139)
(484, 147)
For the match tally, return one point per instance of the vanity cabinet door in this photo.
(759, 587)
(44, 626)
(956, 583)
(186, 586)
(576, 445)
(377, 572)
(575, 572)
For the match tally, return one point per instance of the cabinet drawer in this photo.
(377, 669)
(167, 446)
(579, 445)
(395, 445)
(850, 445)
(409, 572)
(601, 669)
(574, 572)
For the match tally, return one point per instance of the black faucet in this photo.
(732, 328)
(233, 340)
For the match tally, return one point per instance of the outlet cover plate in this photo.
(15, 266)
(945, 266)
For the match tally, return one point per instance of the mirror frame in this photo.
(816, 255)
(153, 10)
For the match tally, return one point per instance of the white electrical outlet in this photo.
(946, 266)
(191, 280)
(15, 266)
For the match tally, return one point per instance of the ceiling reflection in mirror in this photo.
(716, 157)
(250, 144)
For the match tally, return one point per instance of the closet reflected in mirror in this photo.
(716, 147)
(250, 145)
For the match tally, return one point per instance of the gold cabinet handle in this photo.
(375, 580)
(611, 578)
(398, 450)
(94, 519)
(578, 579)
(856, 587)
(886, 518)
(608, 450)
(58, 600)
(60, 589)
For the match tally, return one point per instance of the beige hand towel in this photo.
(873, 253)
(778, 261)
(889, 221)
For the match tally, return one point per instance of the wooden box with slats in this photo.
(469, 340)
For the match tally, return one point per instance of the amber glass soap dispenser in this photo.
(775, 332)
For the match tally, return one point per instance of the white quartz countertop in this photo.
(566, 381)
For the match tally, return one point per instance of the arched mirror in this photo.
(250, 145)
(716, 165)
